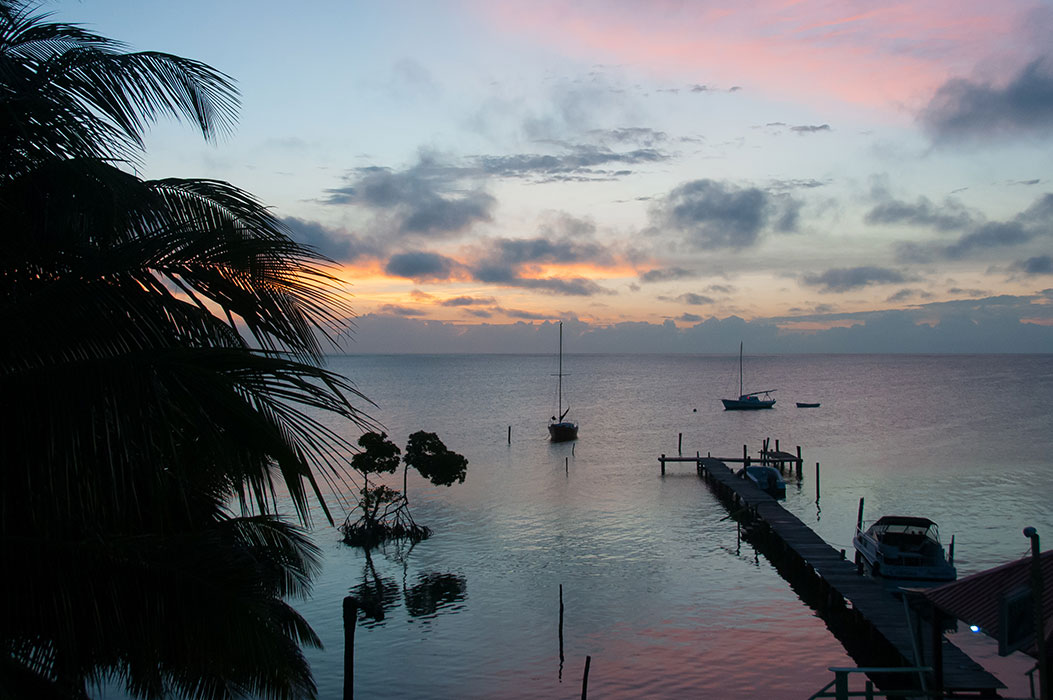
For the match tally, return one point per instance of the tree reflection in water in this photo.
(432, 592)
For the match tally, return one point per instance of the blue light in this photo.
(975, 629)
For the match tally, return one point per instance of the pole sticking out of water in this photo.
(350, 620)
(561, 632)
(585, 679)
(509, 435)
(679, 443)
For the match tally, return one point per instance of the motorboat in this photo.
(767, 479)
(803, 404)
(904, 548)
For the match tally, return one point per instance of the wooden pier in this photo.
(871, 622)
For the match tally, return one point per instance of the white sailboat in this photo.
(748, 401)
(560, 429)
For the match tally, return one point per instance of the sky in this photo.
(662, 175)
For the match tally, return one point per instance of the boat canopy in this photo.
(907, 525)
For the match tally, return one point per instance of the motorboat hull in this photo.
(767, 479)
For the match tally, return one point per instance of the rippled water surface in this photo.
(657, 590)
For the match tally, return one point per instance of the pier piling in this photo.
(350, 621)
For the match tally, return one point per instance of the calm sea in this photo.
(656, 588)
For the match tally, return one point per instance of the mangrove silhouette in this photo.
(383, 512)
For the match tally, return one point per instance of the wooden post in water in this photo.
(777, 445)
(350, 620)
(679, 443)
(661, 460)
(745, 452)
(817, 482)
(566, 464)
(585, 679)
(561, 630)
(509, 435)
(800, 464)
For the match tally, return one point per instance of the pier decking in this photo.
(873, 620)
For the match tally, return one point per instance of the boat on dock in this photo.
(904, 548)
(560, 429)
(767, 479)
(748, 401)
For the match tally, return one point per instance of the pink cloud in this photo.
(867, 53)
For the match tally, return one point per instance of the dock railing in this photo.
(838, 688)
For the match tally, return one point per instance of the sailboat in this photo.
(748, 401)
(559, 429)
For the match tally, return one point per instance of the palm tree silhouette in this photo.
(161, 389)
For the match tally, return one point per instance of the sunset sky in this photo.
(664, 176)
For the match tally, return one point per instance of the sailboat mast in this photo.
(740, 368)
(560, 414)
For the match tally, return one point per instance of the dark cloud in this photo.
(694, 299)
(949, 216)
(784, 185)
(665, 274)
(846, 279)
(689, 318)
(580, 162)
(336, 245)
(421, 266)
(515, 262)
(396, 310)
(810, 129)
(994, 234)
(479, 313)
(428, 199)
(963, 110)
(467, 301)
(966, 292)
(1034, 222)
(904, 294)
(715, 215)
(506, 276)
(1038, 265)
(514, 252)
(640, 136)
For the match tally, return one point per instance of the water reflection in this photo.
(433, 592)
(378, 595)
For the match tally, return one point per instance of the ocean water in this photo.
(657, 588)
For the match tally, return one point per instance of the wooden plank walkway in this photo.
(868, 605)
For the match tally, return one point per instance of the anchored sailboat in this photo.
(748, 401)
(559, 429)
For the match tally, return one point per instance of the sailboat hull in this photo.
(747, 404)
(562, 432)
